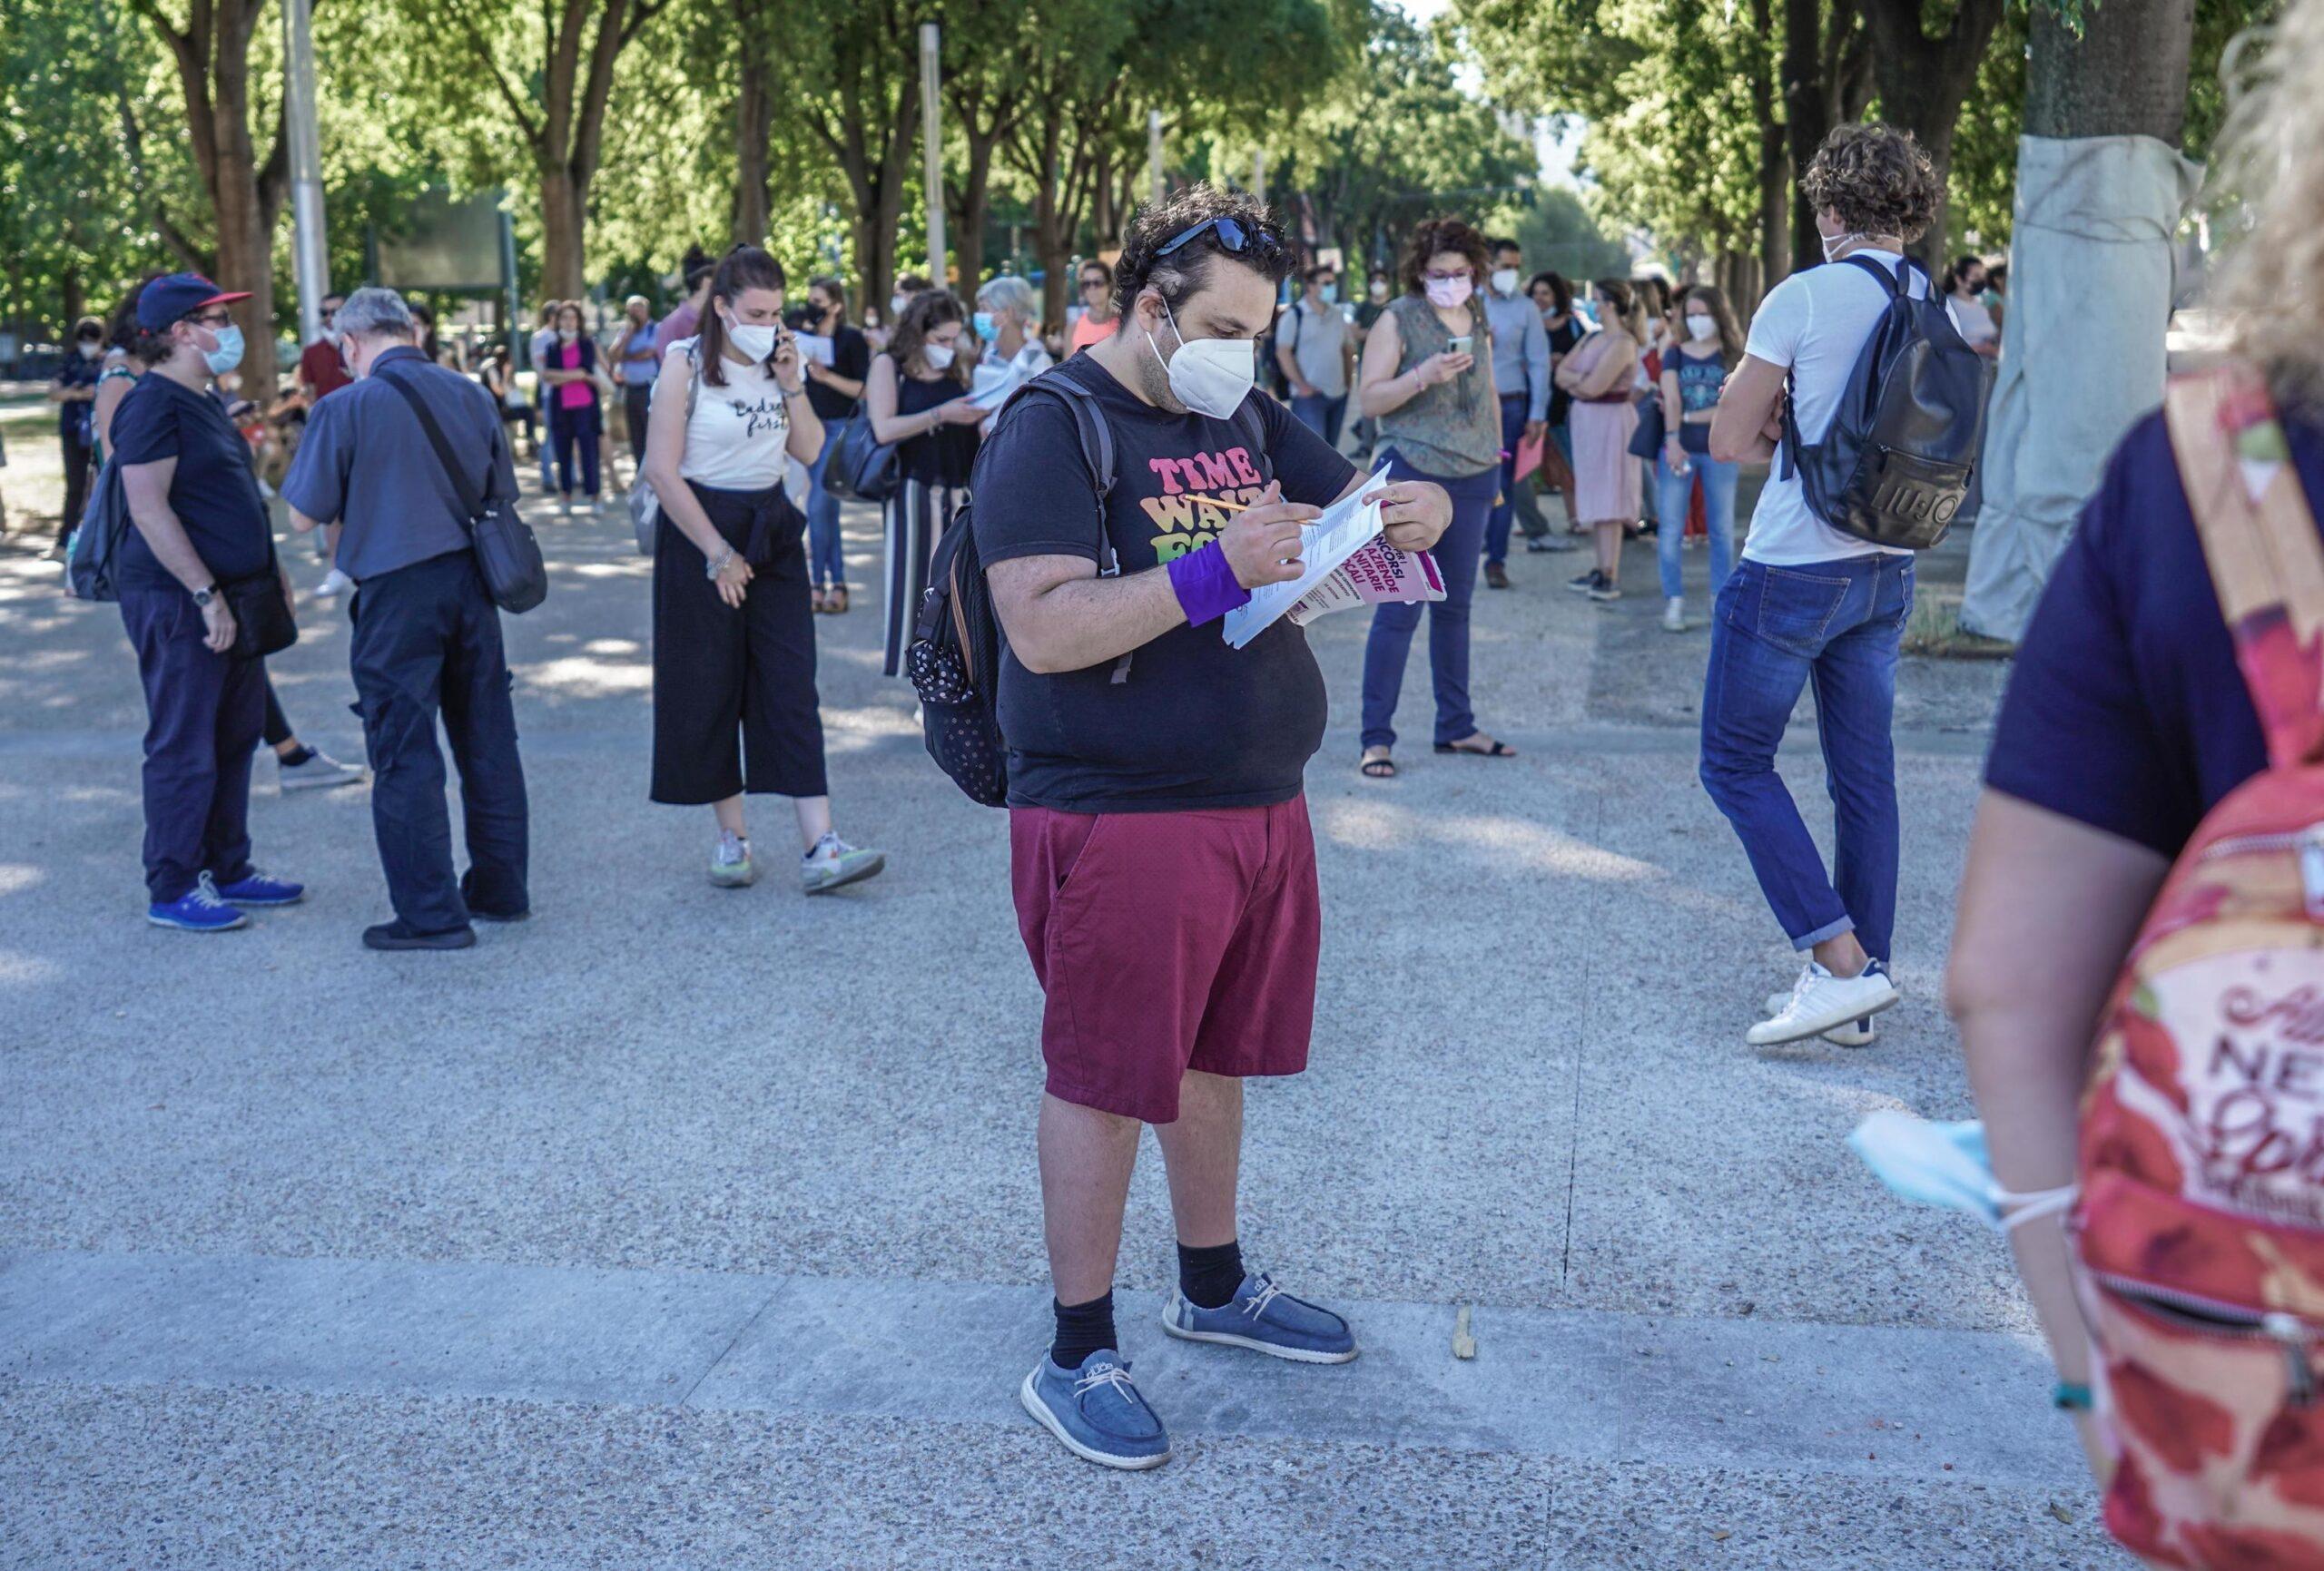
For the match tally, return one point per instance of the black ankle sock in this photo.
(1208, 1277)
(1081, 1329)
(296, 756)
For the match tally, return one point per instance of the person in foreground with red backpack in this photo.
(1809, 603)
(2131, 762)
(1163, 869)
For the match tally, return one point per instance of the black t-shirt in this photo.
(851, 358)
(2127, 711)
(1561, 342)
(1196, 724)
(212, 492)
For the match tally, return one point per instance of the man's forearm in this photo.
(1087, 621)
(166, 538)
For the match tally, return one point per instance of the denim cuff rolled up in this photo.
(1205, 584)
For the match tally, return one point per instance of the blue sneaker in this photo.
(257, 888)
(1264, 1318)
(1096, 1411)
(198, 911)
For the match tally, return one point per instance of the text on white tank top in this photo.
(737, 436)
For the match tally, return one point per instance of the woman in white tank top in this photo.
(734, 706)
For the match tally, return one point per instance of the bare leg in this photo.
(1843, 956)
(1086, 1161)
(814, 819)
(1609, 550)
(729, 813)
(1202, 1152)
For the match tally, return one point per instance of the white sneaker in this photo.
(730, 866)
(833, 862)
(334, 583)
(1820, 1001)
(1859, 1033)
(318, 771)
(1674, 615)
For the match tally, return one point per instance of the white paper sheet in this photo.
(813, 347)
(1324, 544)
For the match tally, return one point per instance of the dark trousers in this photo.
(202, 716)
(427, 640)
(278, 725)
(569, 428)
(1512, 431)
(636, 404)
(734, 704)
(77, 458)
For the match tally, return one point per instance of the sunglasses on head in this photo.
(1233, 236)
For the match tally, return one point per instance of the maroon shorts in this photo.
(1167, 942)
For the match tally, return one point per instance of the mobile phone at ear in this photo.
(1461, 345)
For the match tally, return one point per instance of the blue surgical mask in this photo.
(1946, 1165)
(229, 352)
(1328, 293)
(985, 329)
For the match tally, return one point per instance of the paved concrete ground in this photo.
(685, 1228)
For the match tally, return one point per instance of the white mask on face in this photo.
(1209, 375)
(1504, 280)
(91, 349)
(1701, 327)
(755, 341)
(938, 356)
(896, 304)
(568, 336)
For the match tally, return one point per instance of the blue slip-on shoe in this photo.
(1096, 1411)
(1264, 1318)
(198, 911)
(257, 888)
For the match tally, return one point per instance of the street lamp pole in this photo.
(1154, 156)
(932, 151)
(310, 258)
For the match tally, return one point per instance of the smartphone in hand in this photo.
(1461, 345)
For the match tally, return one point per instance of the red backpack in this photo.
(2200, 1229)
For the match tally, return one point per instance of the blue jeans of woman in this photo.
(826, 559)
(577, 427)
(1513, 406)
(1671, 493)
(1448, 619)
(1775, 630)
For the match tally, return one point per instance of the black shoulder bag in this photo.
(506, 552)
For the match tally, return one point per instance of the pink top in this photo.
(1087, 332)
(572, 395)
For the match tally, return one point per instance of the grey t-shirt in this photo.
(1317, 335)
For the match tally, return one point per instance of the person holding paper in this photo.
(917, 400)
(1163, 865)
(1428, 377)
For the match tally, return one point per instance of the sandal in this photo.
(1498, 750)
(836, 600)
(1382, 767)
(815, 601)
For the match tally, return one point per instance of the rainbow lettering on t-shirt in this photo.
(1182, 523)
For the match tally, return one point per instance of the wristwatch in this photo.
(203, 597)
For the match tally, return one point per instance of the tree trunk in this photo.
(1774, 163)
(753, 131)
(2082, 348)
(1808, 113)
(1923, 82)
(562, 272)
(974, 214)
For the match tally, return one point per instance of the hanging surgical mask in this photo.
(1449, 294)
(1946, 1165)
(1329, 294)
(1379, 289)
(984, 326)
(1701, 327)
(754, 339)
(938, 356)
(568, 336)
(1504, 280)
(1209, 375)
(1834, 244)
(91, 349)
(229, 352)
(896, 304)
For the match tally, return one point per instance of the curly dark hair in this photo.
(1877, 178)
(1188, 269)
(1442, 234)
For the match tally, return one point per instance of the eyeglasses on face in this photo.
(1432, 276)
(217, 319)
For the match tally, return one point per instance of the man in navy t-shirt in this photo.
(1165, 872)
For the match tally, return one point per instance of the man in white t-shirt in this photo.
(1807, 603)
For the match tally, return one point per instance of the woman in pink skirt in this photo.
(1602, 376)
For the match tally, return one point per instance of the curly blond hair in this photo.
(2270, 163)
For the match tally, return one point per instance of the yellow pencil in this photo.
(1219, 502)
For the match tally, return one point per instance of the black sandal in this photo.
(1498, 750)
(1381, 768)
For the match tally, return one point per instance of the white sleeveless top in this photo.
(736, 438)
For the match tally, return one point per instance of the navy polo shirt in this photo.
(213, 491)
(365, 463)
(2127, 711)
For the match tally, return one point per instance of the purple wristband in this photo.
(1205, 584)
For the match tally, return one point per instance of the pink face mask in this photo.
(1446, 294)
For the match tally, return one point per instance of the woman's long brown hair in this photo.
(747, 267)
(929, 309)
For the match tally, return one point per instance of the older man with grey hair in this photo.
(377, 459)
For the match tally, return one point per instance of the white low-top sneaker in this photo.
(1674, 615)
(1820, 1001)
(1854, 1033)
(334, 583)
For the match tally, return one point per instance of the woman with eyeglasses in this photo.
(1097, 322)
(917, 399)
(1427, 378)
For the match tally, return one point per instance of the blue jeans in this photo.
(826, 561)
(1448, 619)
(1718, 512)
(544, 447)
(1776, 629)
(1512, 431)
(1321, 415)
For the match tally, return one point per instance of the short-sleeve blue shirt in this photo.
(213, 491)
(2127, 711)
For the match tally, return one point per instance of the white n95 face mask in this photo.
(1504, 280)
(938, 356)
(1209, 375)
(755, 341)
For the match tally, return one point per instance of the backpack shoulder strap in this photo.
(1892, 282)
(1096, 450)
(2266, 561)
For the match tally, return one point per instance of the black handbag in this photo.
(1646, 442)
(263, 622)
(863, 466)
(507, 553)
